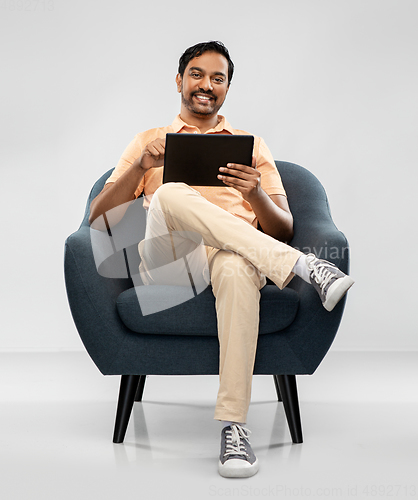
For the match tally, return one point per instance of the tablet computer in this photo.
(195, 158)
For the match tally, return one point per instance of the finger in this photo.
(233, 181)
(241, 168)
(156, 145)
(156, 150)
(160, 142)
(235, 175)
(160, 148)
(250, 174)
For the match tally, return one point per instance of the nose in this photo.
(206, 83)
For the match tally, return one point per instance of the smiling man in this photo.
(235, 256)
(203, 88)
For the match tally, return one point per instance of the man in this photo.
(238, 256)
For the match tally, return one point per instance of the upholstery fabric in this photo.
(197, 316)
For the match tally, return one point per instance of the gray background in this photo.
(329, 84)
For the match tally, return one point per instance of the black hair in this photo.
(199, 49)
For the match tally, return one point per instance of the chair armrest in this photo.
(311, 334)
(325, 241)
(92, 300)
(314, 329)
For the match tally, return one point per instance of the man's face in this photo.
(204, 84)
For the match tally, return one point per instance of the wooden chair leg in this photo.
(289, 392)
(140, 389)
(276, 383)
(127, 391)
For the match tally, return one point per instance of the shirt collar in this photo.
(178, 125)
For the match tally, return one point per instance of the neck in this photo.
(203, 123)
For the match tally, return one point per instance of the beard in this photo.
(211, 109)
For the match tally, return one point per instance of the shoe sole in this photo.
(337, 291)
(227, 471)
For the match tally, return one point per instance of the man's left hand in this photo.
(246, 179)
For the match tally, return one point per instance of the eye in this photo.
(219, 80)
(195, 75)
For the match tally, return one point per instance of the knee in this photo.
(234, 270)
(170, 192)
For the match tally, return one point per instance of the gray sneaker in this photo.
(237, 459)
(331, 283)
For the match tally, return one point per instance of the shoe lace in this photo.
(322, 274)
(235, 440)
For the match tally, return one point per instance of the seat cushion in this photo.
(197, 316)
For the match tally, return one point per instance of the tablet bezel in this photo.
(195, 158)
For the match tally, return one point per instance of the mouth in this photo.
(203, 98)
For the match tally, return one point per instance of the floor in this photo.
(359, 417)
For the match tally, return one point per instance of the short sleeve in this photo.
(271, 181)
(131, 153)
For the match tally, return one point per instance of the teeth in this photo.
(203, 97)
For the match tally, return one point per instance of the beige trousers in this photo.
(184, 228)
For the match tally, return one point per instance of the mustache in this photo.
(204, 92)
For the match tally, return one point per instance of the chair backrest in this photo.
(95, 190)
(312, 216)
(309, 205)
(303, 190)
(306, 196)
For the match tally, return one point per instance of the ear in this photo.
(179, 82)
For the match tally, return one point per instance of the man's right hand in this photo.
(119, 193)
(153, 155)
